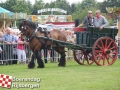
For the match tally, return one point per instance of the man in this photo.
(1, 47)
(15, 57)
(8, 41)
(88, 20)
(100, 21)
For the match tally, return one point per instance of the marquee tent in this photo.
(7, 17)
(2, 10)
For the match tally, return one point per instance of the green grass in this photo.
(71, 77)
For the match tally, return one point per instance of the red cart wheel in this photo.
(105, 51)
(82, 57)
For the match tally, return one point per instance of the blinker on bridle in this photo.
(24, 28)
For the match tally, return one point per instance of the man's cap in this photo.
(97, 11)
(89, 11)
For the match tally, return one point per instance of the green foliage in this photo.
(109, 3)
(21, 6)
(77, 10)
(63, 4)
(88, 3)
(17, 6)
(39, 4)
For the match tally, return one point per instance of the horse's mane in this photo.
(29, 23)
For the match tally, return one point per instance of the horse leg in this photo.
(31, 63)
(39, 60)
(62, 61)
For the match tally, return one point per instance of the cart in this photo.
(92, 46)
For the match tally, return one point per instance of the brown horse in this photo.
(30, 32)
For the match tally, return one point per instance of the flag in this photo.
(5, 81)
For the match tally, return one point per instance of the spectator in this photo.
(100, 21)
(73, 37)
(8, 41)
(4, 31)
(1, 55)
(1, 34)
(52, 55)
(68, 35)
(45, 54)
(15, 47)
(69, 39)
(88, 20)
(21, 51)
(1, 47)
(57, 19)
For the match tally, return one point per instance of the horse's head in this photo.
(27, 28)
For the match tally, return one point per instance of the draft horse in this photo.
(30, 32)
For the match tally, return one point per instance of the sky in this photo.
(70, 1)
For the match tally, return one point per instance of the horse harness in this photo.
(44, 31)
(28, 38)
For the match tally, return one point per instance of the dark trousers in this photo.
(15, 57)
(52, 54)
(45, 54)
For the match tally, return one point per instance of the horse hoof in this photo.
(61, 65)
(31, 65)
(40, 67)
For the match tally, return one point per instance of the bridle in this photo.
(28, 37)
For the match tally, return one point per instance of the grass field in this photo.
(71, 77)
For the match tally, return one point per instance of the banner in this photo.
(49, 18)
(52, 9)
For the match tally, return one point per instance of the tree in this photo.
(39, 4)
(17, 6)
(109, 3)
(63, 4)
(88, 3)
(21, 6)
(30, 6)
(81, 9)
(73, 7)
(8, 4)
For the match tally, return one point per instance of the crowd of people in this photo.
(12, 48)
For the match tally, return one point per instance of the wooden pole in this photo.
(15, 23)
(118, 26)
(4, 23)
